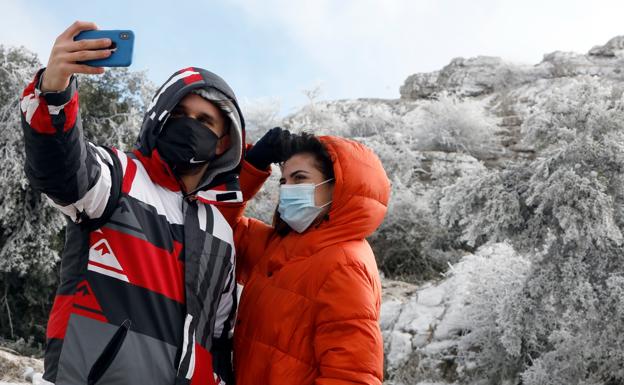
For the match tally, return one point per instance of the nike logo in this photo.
(193, 161)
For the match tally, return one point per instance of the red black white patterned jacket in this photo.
(147, 291)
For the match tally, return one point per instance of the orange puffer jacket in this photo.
(309, 310)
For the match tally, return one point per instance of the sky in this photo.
(273, 50)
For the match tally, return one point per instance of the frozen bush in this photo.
(454, 125)
(486, 282)
(581, 106)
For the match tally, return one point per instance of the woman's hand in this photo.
(268, 149)
(66, 53)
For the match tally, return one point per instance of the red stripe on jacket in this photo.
(71, 112)
(41, 120)
(59, 316)
(191, 78)
(144, 264)
(203, 374)
(128, 177)
(82, 302)
(158, 170)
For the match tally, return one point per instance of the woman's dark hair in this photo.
(303, 143)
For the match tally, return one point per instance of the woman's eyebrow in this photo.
(292, 174)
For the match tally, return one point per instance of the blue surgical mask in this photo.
(297, 206)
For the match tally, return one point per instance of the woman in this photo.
(310, 306)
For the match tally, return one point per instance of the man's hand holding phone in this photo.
(82, 48)
(67, 55)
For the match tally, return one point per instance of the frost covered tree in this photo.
(31, 235)
(564, 322)
(260, 116)
(29, 230)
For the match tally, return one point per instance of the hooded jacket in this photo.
(310, 303)
(147, 290)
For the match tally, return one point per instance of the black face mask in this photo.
(185, 143)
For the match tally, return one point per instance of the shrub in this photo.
(453, 125)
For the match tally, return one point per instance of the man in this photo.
(147, 291)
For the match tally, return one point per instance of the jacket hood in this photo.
(169, 95)
(359, 202)
(361, 189)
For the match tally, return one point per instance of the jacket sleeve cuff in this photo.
(57, 98)
(260, 173)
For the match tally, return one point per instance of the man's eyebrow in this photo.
(208, 117)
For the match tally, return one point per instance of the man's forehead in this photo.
(193, 98)
(197, 103)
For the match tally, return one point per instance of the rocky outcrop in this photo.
(471, 77)
(486, 75)
(605, 62)
(420, 330)
(512, 89)
(613, 48)
(420, 86)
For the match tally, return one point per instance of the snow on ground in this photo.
(13, 368)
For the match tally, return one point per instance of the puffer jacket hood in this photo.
(169, 95)
(359, 202)
(361, 189)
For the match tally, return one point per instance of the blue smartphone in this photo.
(122, 40)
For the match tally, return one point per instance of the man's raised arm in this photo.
(59, 161)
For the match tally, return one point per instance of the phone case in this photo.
(123, 40)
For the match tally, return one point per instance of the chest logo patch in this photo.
(102, 260)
